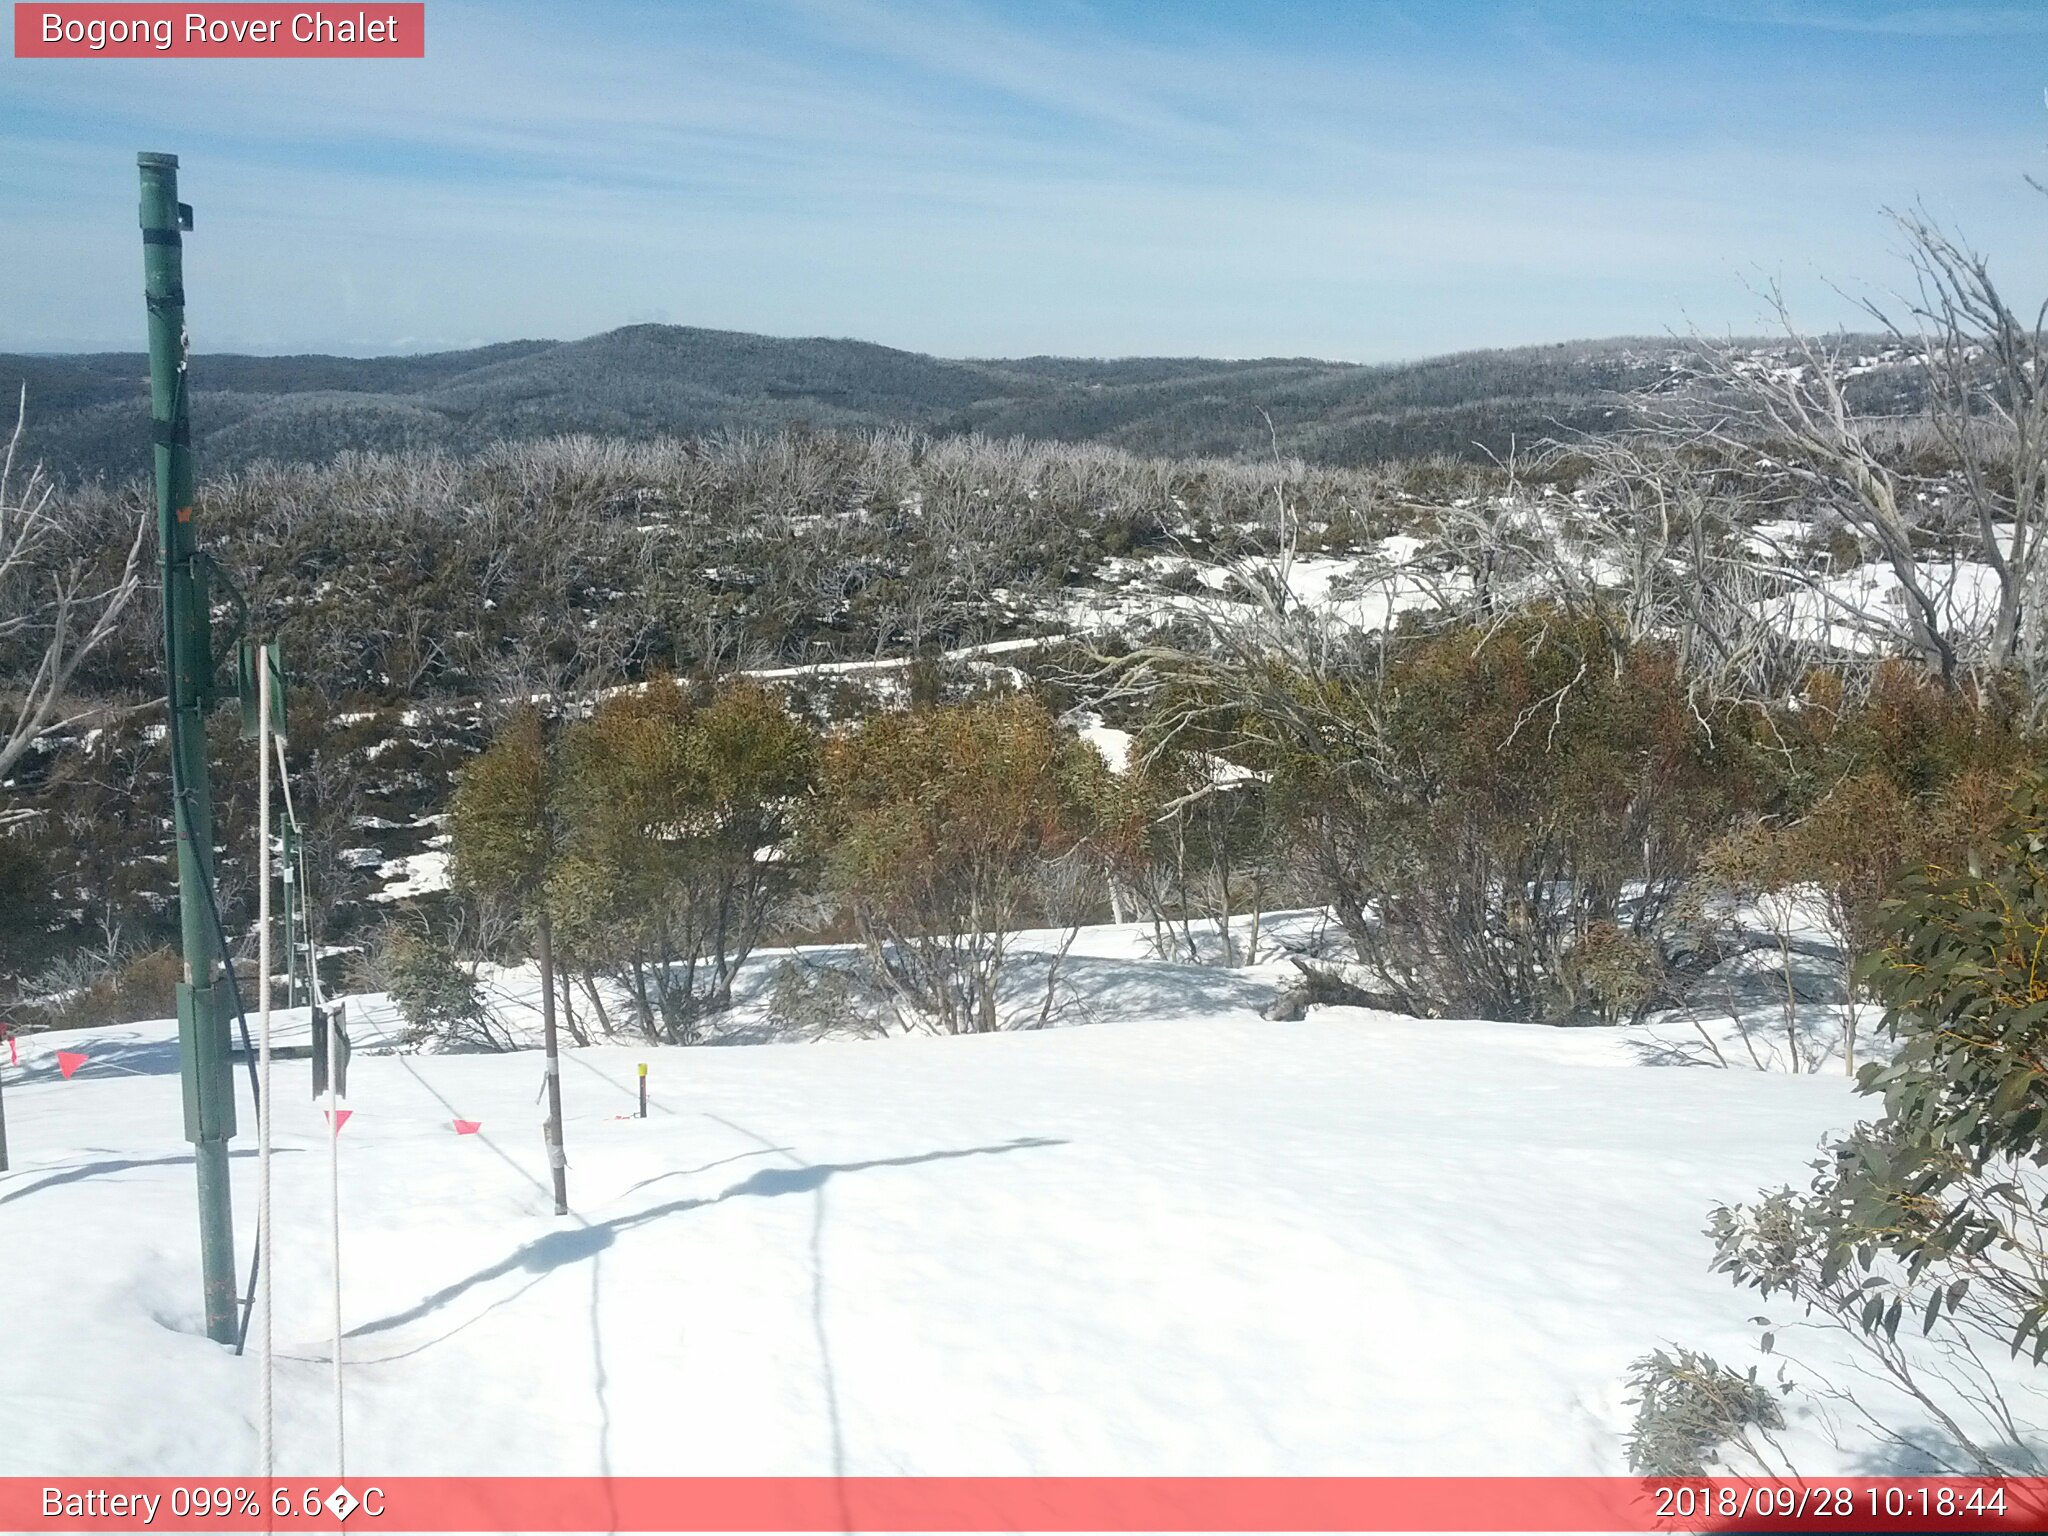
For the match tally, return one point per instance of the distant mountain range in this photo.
(88, 413)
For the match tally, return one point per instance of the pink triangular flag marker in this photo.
(338, 1116)
(69, 1062)
(468, 1127)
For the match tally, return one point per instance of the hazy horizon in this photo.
(59, 350)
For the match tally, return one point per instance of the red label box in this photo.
(1849, 1506)
(235, 31)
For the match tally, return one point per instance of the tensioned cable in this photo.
(333, 1043)
(266, 1425)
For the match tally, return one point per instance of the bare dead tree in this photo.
(1655, 545)
(1792, 433)
(57, 603)
(1757, 414)
(1981, 362)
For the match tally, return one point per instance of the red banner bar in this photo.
(236, 31)
(1061, 1504)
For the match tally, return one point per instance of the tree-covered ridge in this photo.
(89, 414)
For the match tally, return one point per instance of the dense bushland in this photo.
(1529, 802)
(1618, 702)
(1524, 822)
(396, 578)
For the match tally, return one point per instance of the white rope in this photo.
(265, 1248)
(334, 1232)
(317, 1004)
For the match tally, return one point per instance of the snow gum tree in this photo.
(60, 600)
(1500, 798)
(1809, 439)
(679, 841)
(939, 828)
(506, 833)
(504, 821)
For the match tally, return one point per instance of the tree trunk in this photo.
(1221, 867)
(557, 1162)
(569, 1008)
(642, 1002)
(1791, 996)
(1851, 1010)
(604, 1018)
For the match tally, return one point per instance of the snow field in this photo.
(1177, 1241)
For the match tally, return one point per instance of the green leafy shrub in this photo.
(438, 996)
(935, 827)
(678, 827)
(1484, 799)
(1933, 1219)
(1692, 1411)
(1615, 971)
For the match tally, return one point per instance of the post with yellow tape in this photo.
(643, 1090)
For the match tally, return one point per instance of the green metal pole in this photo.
(188, 669)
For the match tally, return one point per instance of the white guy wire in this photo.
(266, 1255)
(333, 1119)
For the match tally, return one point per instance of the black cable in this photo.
(181, 797)
(181, 793)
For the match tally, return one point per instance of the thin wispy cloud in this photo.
(1959, 21)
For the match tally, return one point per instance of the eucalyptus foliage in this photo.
(1932, 1220)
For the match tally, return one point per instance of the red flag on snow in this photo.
(468, 1127)
(69, 1062)
(338, 1116)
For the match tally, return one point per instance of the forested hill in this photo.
(88, 413)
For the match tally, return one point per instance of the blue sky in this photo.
(1348, 180)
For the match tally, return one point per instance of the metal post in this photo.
(557, 1160)
(643, 1090)
(188, 674)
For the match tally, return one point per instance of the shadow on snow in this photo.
(553, 1250)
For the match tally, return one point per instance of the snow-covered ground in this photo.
(1364, 593)
(1861, 611)
(1178, 1239)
